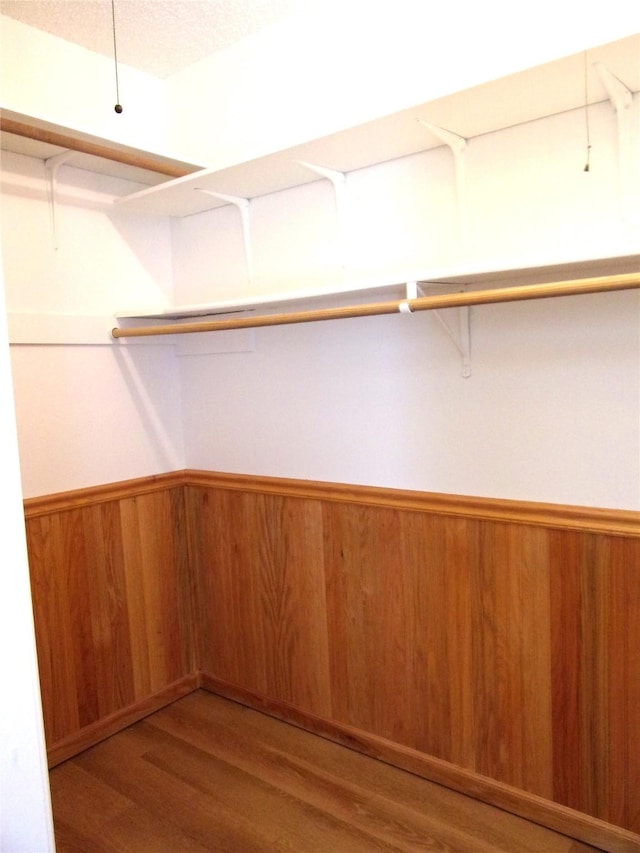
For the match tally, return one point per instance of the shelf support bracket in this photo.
(243, 206)
(460, 336)
(52, 164)
(621, 99)
(457, 145)
(339, 182)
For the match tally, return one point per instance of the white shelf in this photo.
(372, 291)
(145, 167)
(546, 90)
(526, 96)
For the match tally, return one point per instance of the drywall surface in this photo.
(551, 410)
(351, 61)
(25, 810)
(93, 412)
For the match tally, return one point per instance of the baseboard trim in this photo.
(102, 729)
(552, 815)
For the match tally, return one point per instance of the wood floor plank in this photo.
(208, 774)
(331, 775)
(206, 790)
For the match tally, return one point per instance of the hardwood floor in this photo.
(207, 774)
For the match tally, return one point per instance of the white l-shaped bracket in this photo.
(52, 164)
(339, 182)
(243, 206)
(622, 100)
(460, 336)
(458, 146)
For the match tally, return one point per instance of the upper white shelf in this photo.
(546, 90)
(42, 139)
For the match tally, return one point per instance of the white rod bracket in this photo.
(339, 182)
(457, 145)
(621, 99)
(243, 206)
(412, 292)
(52, 164)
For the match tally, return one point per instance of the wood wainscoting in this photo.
(113, 607)
(493, 646)
(490, 645)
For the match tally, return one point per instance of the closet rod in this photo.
(425, 303)
(129, 158)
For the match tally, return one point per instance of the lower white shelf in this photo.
(491, 275)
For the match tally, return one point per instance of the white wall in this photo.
(527, 198)
(551, 412)
(97, 413)
(25, 812)
(345, 62)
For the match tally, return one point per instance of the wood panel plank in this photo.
(154, 593)
(535, 661)
(624, 684)
(596, 708)
(262, 606)
(111, 638)
(56, 636)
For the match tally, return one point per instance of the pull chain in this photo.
(586, 112)
(118, 107)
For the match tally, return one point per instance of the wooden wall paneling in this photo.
(495, 645)
(439, 638)
(355, 671)
(53, 628)
(290, 572)
(596, 672)
(229, 611)
(187, 599)
(498, 649)
(113, 607)
(535, 658)
(624, 684)
(262, 608)
(458, 538)
(576, 721)
(108, 605)
(400, 646)
(155, 597)
(510, 656)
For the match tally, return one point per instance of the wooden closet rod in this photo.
(628, 281)
(128, 157)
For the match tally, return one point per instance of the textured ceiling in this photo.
(157, 36)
